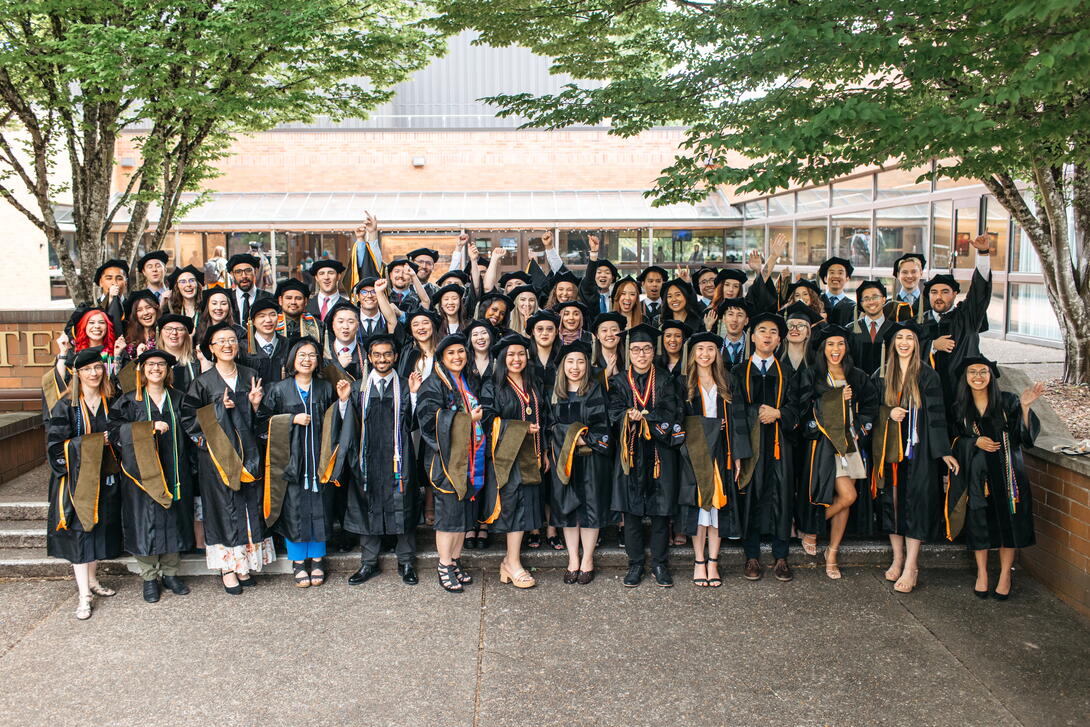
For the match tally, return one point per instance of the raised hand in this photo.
(778, 246)
(415, 380)
(228, 403)
(685, 275)
(1031, 394)
(547, 240)
(381, 284)
(472, 252)
(119, 345)
(982, 243)
(344, 388)
(62, 344)
(463, 240)
(593, 242)
(754, 260)
(710, 318)
(256, 392)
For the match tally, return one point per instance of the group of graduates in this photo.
(537, 406)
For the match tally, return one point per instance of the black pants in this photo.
(634, 541)
(752, 545)
(405, 548)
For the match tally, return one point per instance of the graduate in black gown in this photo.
(84, 520)
(516, 420)
(840, 309)
(384, 492)
(157, 481)
(644, 407)
(716, 442)
(581, 444)
(453, 441)
(176, 338)
(767, 477)
(343, 356)
(990, 499)
(306, 447)
(867, 344)
(266, 350)
(543, 328)
(910, 448)
(838, 405)
(220, 415)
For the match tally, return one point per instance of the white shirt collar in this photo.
(261, 340)
(338, 345)
(757, 360)
(880, 320)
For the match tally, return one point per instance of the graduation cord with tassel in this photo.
(645, 400)
(310, 453)
(526, 409)
(177, 489)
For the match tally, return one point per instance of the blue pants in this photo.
(302, 551)
(752, 544)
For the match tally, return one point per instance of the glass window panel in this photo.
(853, 191)
(781, 204)
(997, 226)
(811, 246)
(852, 238)
(628, 242)
(1031, 314)
(816, 198)
(703, 247)
(941, 234)
(895, 183)
(753, 238)
(944, 182)
(663, 246)
(966, 224)
(900, 230)
(755, 210)
(1023, 255)
(997, 311)
(734, 246)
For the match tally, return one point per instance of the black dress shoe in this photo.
(364, 574)
(247, 582)
(151, 591)
(662, 576)
(470, 542)
(634, 576)
(408, 573)
(176, 585)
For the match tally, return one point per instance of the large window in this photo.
(942, 232)
(997, 227)
(852, 238)
(811, 245)
(734, 245)
(853, 191)
(1030, 312)
(783, 204)
(753, 238)
(966, 227)
(900, 230)
(895, 183)
(755, 210)
(814, 199)
(1023, 255)
(618, 246)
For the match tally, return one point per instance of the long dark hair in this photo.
(289, 362)
(966, 408)
(821, 364)
(499, 368)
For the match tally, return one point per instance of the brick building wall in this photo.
(1061, 510)
(27, 350)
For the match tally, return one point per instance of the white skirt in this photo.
(240, 558)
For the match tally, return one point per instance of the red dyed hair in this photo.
(82, 341)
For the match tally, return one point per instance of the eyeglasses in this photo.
(641, 349)
(798, 327)
(370, 293)
(174, 329)
(242, 271)
(873, 298)
(225, 342)
(155, 365)
(306, 356)
(977, 373)
(382, 354)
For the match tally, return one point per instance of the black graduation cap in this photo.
(340, 305)
(877, 284)
(137, 296)
(382, 337)
(977, 360)
(423, 251)
(829, 331)
(87, 356)
(686, 330)
(328, 262)
(573, 304)
(776, 318)
(909, 256)
(459, 275)
(576, 346)
(652, 269)
(171, 361)
(803, 283)
(421, 313)
(515, 275)
(114, 263)
(401, 261)
(702, 272)
(641, 333)
(823, 270)
(209, 293)
(614, 316)
(730, 274)
(727, 303)
(175, 318)
(798, 309)
(625, 279)
(542, 315)
(492, 295)
(292, 284)
(682, 285)
(909, 325)
(243, 258)
(511, 339)
(565, 277)
(516, 292)
(448, 288)
(704, 337)
(368, 282)
(593, 265)
(77, 316)
(206, 342)
(479, 323)
(263, 304)
(159, 255)
(197, 273)
(943, 279)
(451, 340)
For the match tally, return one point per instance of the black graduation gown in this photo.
(768, 483)
(332, 368)
(514, 503)
(725, 440)
(581, 479)
(76, 536)
(841, 314)
(650, 486)
(231, 517)
(964, 324)
(866, 354)
(383, 504)
(908, 490)
(991, 493)
(546, 373)
(256, 295)
(270, 369)
(305, 515)
(184, 375)
(150, 528)
(818, 478)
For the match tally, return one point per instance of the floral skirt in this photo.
(240, 558)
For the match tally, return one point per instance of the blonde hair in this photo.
(893, 394)
(105, 387)
(636, 318)
(516, 322)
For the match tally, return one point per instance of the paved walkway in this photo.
(812, 652)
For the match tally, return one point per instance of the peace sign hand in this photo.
(256, 392)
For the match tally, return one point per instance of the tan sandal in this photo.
(832, 570)
(809, 546)
(521, 579)
(901, 586)
(893, 573)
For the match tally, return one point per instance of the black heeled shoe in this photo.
(448, 578)
(715, 582)
(463, 577)
(571, 577)
(235, 590)
(470, 541)
(483, 540)
(249, 582)
(533, 541)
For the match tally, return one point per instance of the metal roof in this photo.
(284, 210)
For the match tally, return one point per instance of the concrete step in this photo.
(22, 534)
(33, 563)
(23, 510)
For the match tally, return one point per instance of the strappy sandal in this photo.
(832, 570)
(893, 573)
(100, 590)
(714, 582)
(906, 587)
(299, 573)
(809, 546)
(519, 579)
(533, 541)
(83, 608)
(448, 578)
(316, 579)
(463, 577)
(557, 543)
(701, 582)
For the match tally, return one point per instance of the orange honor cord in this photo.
(267, 495)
